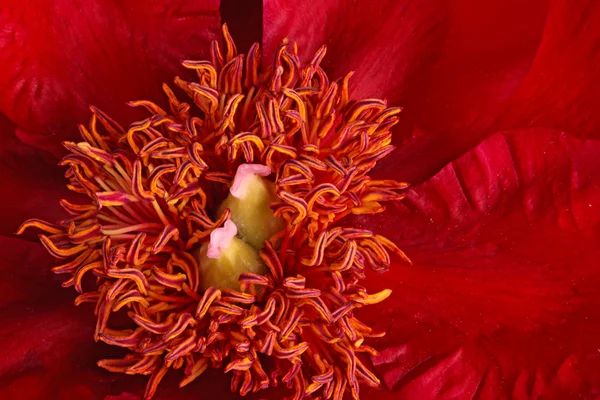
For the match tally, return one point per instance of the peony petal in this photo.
(562, 89)
(32, 184)
(58, 58)
(25, 267)
(40, 330)
(385, 59)
(42, 335)
(502, 299)
(451, 65)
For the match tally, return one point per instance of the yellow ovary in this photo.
(223, 272)
(252, 214)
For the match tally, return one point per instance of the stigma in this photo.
(215, 230)
(225, 257)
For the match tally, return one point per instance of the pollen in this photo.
(212, 234)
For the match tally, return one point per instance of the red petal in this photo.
(386, 45)
(32, 184)
(503, 295)
(562, 89)
(42, 335)
(451, 65)
(57, 58)
(25, 267)
(40, 330)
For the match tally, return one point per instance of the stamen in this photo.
(279, 156)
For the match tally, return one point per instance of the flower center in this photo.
(214, 264)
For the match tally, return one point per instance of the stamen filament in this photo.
(109, 230)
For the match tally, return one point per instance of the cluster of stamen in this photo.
(155, 192)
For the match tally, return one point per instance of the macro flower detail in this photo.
(157, 192)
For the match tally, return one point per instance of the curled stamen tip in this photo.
(242, 175)
(220, 239)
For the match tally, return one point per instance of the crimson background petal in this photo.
(40, 331)
(502, 299)
(451, 65)
(562, 89)
(57, 58)
(32, 183)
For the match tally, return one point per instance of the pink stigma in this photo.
(239, 187)
(220, 239)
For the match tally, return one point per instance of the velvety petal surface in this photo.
(562, 88)
(451, 65)
(502, 299)
(40, 330)
(58, 58)
(32, 183)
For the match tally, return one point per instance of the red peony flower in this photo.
(498, 138)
